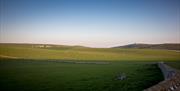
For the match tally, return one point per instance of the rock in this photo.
(121, 76)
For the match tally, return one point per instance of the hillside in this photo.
(45, 51)
(152, 46)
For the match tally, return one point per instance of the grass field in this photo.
(35, 67)
(84, 53)
(174, 64)
(34, 75)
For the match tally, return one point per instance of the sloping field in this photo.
(29, 51)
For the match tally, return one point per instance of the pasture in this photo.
(37, 67)
(44, 75)
(30, 51)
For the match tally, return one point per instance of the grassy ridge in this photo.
(29, 51)
(168, 46)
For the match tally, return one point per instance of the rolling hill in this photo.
(47, 51)
(151, 46)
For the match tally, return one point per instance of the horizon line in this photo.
(83, 45)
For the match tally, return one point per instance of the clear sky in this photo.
(93, 23)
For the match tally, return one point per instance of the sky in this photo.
(92, 23)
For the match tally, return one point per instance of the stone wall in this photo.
(171, 82)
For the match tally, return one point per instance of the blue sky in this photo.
(93, 23)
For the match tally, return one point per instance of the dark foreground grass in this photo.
(30, 75)
(174, 64)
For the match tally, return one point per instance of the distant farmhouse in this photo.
(41, 46)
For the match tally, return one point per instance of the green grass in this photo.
(84, 53)
(27, 67)
(174, 64)
(34, 75)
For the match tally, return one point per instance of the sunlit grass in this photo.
(83, 53)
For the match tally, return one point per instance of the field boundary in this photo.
(5, 56)
(171, 82)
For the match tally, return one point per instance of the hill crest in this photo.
(169, 46)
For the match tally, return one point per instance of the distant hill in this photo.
(167, 46)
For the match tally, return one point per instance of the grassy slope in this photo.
(83, 53)
(28, 75)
